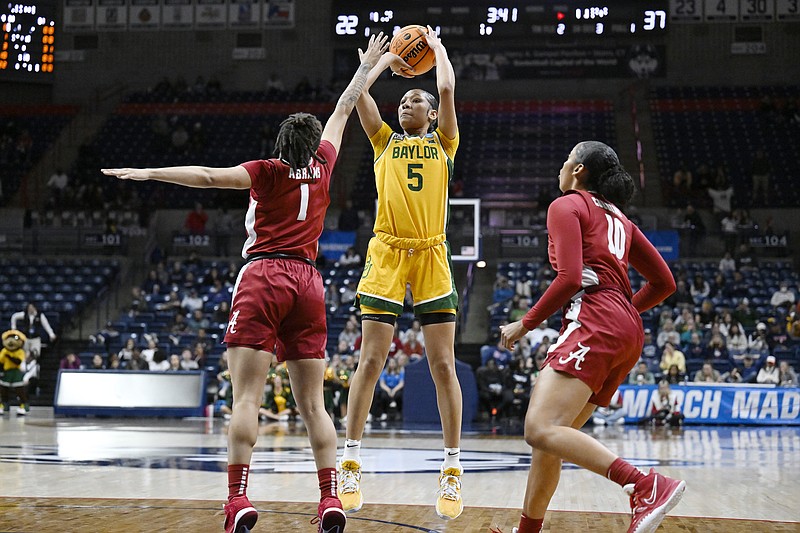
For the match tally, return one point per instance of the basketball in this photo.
(411, 45)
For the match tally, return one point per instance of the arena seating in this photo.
(725, 126)
(43, 123)
(60, 288)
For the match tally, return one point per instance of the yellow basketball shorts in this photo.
(387, 270)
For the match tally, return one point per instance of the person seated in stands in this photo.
(187, 361)
(783, 298)
(777, 337)
(137, 362)
(152, 346)
(668, 334)
(348, 293)
(502, 290)
(160, 363)
(727, 264)
(126, 352)
(203, 338)
(501, 355)
(744, 314)
(350, 332)
(536, 336)
(674, 376)
(97, 362)
(737, 342)
(222, 313)
(390, 392)
(758, 342)
(178, 326)
(707, 374)
(350, 257)
(491, 380)
(769, 373)
(105, 336)
(199, 354)
(174, 363)
(688, 328)
(672, 356)
(744, 259)
(197, 321)
(707, 315)
(151, 285)
(695, 348)
(649, 348)
(189, 281)
(218, 293)
(749, 368)
(522, 349)
(172, 302)
(699, 289)
(681, 296)
(664, 408)
(412, 347)
(787, 375)
(716, 348)
(176, 273)
(641, 375)
(113, 362)
(70, 362)
(520, 383)
(519, 309)
(192, 301)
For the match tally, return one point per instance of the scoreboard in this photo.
(28, 40)
(734, 10)
(491, 21)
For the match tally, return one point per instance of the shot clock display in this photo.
(28, 40)
(509, 20)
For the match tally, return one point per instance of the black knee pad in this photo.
(427, 319)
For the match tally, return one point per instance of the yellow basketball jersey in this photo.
(412, 176)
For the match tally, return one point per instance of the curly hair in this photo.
(606, 174)
(298, 139)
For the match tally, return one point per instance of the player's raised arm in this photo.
(190, 176)
(334, 128)
(368, 112)
(445, 84)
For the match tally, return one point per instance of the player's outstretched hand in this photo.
(137, 174)
(433, 40)
(511, 333)
(375, 49)
(399, 67)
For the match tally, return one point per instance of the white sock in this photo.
(352, 451)
(452, 458)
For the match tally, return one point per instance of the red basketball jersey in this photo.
(287, 208)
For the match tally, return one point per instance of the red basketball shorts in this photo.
(279, 302)
(600, 342)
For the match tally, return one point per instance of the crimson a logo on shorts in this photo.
(579, 356)
(232, 321)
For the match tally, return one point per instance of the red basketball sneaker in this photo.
(240, 515)
(652, 497)
(330, 516)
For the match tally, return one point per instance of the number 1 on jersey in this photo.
(616, 237)
(304, 202)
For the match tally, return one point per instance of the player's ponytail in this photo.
(606, 174)
(298, 140)
(434, 105)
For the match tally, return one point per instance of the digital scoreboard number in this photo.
(28, 41)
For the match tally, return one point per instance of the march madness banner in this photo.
(719, 404)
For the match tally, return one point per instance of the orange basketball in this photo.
(411, 45)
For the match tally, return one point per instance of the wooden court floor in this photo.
(143, 475)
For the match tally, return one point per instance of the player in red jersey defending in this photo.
(279, 295)
(591, 243)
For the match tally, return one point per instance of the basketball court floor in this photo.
(100, 474)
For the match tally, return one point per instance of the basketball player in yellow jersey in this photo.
(412, 174)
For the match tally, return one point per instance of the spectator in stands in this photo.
(126, 352)
(113, 362)
(695, 229)
(737, 342)
(186, 360)
(671, 356)
(57, 184)
(172, 302)
(348, 293)
(519, 308)
(278, 403)
(524, 287)
(757, 342)
(416, 328)
(787, 375)
(151, 285)
(34, 325)
(177, 273)
(199, 354)
(721, 196)
(196, 220)
(70, 362)
(695, 349)
(192, 302)
(681, 186)
(275, 86)
(179, 325)
(716, 347)
(688, 328)
(349, 219)
(350, 257)
(174, 363)
(707, 315)
(707, 374)
(542, 331)
(744, 258)
(668, 334)
(491, 384)
(749, 368)
(332, 297)
(522, 349)
(769, 373)
(681, 296)
(222, 313)
(760, 169)
(412, 347)
(350, 332)
(197, 321)
(97, 362)
(641, 375)
(783, 298)
(649, 348)
(744, 314)
(160, 363)
(777, 337)
(674, 376)
(502, 290)
(149, 352)
(700, 289)
(502, 356)
(218, 293)
(702, 180)
(203, 338)
(390, 392)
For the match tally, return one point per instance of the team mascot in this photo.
(11, 358)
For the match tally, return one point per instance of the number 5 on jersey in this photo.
(416, 185)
